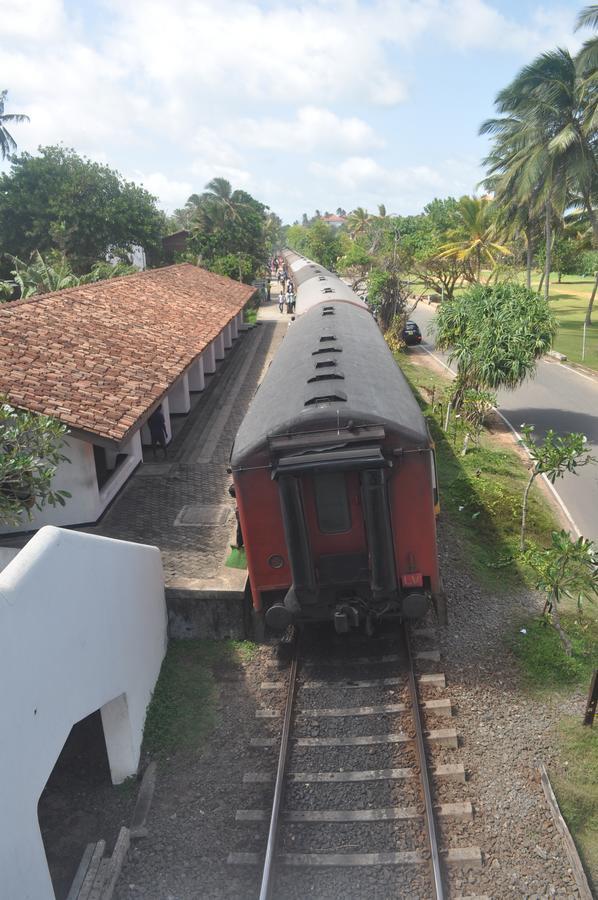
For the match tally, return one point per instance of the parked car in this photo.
(412, 334)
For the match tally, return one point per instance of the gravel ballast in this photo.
(503, 736)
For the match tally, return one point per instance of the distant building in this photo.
(335, 221)
(175, 243)
(102, 357)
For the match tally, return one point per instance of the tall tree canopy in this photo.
(231, 232)
(61, 201)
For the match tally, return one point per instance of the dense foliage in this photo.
(61, 201)
(232, 233)
(31, 451)
(495, 334)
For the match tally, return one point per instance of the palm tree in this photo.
(473, 239)
(220, 193)
(587, 58)
(543, 147)
(7, 143)
(358, 222)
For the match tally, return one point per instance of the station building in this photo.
(102, 357)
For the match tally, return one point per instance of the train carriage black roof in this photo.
(333, 369)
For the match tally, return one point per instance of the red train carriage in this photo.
(335, 480)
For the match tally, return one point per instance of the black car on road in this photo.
(412, 334)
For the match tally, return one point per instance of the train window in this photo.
(325, 376)
(332, 503)
(327, 350)
(338, 396)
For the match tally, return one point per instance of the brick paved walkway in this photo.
(194, 474)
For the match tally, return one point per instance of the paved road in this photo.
(560, 398)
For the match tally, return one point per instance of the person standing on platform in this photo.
(157, 426)
(280, 301)
(268, 289)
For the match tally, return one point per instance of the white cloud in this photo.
(475, 24)
(171, 193)
(196, 88)
(365, 182)
(312, 127)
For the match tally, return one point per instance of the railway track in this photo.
(352, 807)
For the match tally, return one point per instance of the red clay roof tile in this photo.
(108, 351)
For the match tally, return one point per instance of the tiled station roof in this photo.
(99, 356)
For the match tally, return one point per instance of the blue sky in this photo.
(316, 104)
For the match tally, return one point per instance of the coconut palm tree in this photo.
(7, 143)
(358, 222)
(473, 238)
(219, 192)
(544, 141)
(587, 58)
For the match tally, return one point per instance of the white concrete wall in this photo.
(209, 358)
(111, 488)
(178, 396)
(219, 346)
(82, 627)
(234, 329)
(78, 476)
(227, 334)
(197, 381)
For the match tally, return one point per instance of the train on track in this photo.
(334, 472)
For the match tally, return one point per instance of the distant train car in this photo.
(335, 477)
(314, 284)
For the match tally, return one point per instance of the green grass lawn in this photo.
(182, 712)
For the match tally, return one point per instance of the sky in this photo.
(306, 105)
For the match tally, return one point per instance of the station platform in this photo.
(181, 503)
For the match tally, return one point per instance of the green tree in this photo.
(495, 334)
(473, 238)
(8, 144)
(61, 201)
(358, 222)
(554, 457)
(546, 142)
(31, 453)
(565, 569)
(228, 223)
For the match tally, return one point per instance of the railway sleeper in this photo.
(467, 857)
(463, 810)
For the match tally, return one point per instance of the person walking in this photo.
(280, 301)
(157, 426)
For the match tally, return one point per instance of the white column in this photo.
(228, 341)
(178, 396)
(119, 739)
(195, 374)
(240, 320)
(234, 331)
(209, 359)
(219, 346)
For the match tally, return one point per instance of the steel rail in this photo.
(424, 779)
(268, 871)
